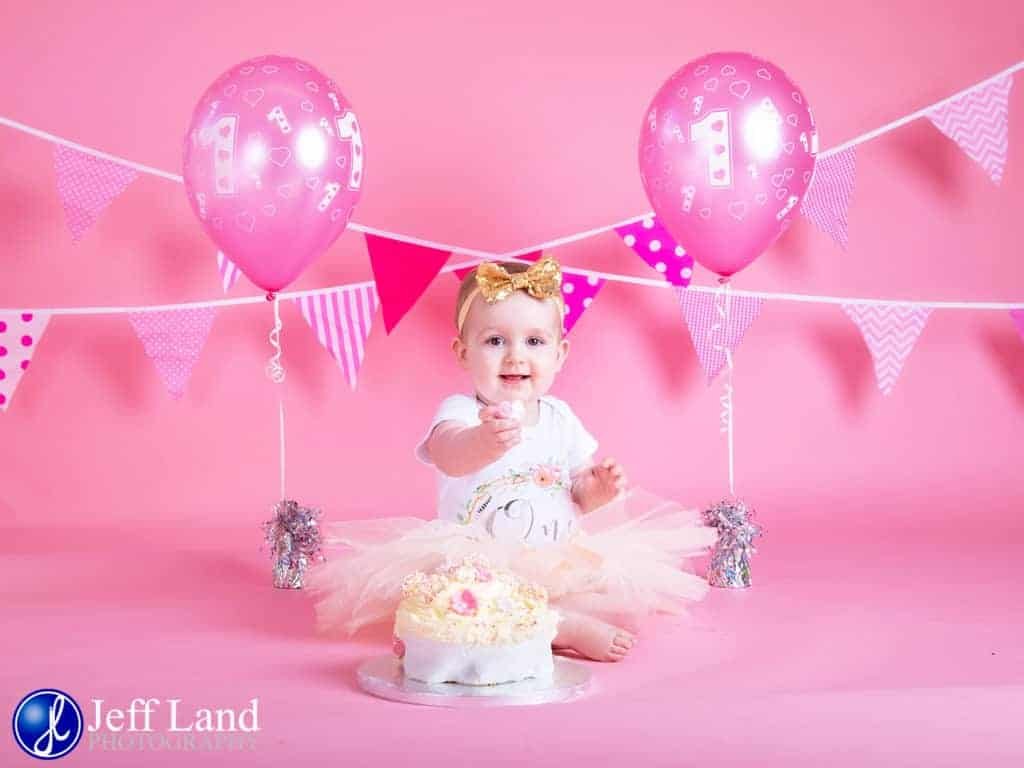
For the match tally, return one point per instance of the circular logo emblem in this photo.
(47, 724)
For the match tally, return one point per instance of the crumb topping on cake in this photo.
(470, 601)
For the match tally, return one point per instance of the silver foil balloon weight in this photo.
(730, 561)
(295, 541)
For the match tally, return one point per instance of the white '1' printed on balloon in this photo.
(348, 130)
(714, 130)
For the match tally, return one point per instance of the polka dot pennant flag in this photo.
(578, 291)
(655, 245)
(87, 185)
(19, 335)
(173, 339)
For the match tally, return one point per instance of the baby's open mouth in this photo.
(514, 377)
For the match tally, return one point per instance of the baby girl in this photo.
(512, 458)
(518, 483)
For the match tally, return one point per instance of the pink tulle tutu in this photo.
(624, 561)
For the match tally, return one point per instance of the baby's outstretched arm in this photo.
(596, 485)
(459, 450)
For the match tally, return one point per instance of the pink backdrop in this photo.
(498, 130)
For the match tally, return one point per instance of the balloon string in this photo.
(274, 368)
(280, 423)
(720, 332)
(276, 373)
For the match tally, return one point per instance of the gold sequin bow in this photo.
(543, 280)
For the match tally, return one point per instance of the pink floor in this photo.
(874, 635)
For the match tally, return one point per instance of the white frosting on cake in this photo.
(472, 624)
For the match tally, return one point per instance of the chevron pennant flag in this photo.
(341, 319)
(20, 333)
(228, 271)
(173, 340)
(708, 330)
(1017, 315)
(87, 185)
(402, 272)
(890, 331)
(828, 198)
(578, 291)
(652, 243)
(977, 121)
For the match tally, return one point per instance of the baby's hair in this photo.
(469, 283)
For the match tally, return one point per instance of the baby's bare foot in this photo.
(593, 638)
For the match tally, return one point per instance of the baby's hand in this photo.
(498, 432)
(599, 485)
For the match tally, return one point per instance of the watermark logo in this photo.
(47, 724)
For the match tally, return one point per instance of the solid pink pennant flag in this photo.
(712, 333)
(174, 339)
(828, 198)
(402, 272)
(87, 185)
(341, 319)
(1017, 316)
(19, 336)
(890, 331)
(978, 121)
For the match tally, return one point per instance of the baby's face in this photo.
(512, 348)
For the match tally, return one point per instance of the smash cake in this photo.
(470, 623)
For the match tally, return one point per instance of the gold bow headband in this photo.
(542, 280)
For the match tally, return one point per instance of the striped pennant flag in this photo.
(890, 331)
(228, 271)
(341, 319)
(977, 121)
(87, 185)
(828, 198)
(708, 331)
(20, 333)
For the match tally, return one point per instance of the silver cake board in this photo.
(383, 676)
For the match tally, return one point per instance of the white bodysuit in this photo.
(526, 493)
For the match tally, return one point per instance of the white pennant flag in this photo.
(890, 331)
(341, 319)
(19, 336)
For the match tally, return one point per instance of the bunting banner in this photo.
(1017, 316)
(890, 331)
(341, 319)
(828, 198)
(578, 291)
(652, 243)
(173, 340)
(228, 271)
(977, 121)
(402, 272)
(20, 333)
(87, 185)
(710, 334)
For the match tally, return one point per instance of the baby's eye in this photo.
(494, 341)
(535, 341)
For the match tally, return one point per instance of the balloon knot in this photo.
(271, 296)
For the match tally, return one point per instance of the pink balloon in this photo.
(726, 153)
(273, 166)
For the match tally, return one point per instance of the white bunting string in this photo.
(397, 236)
